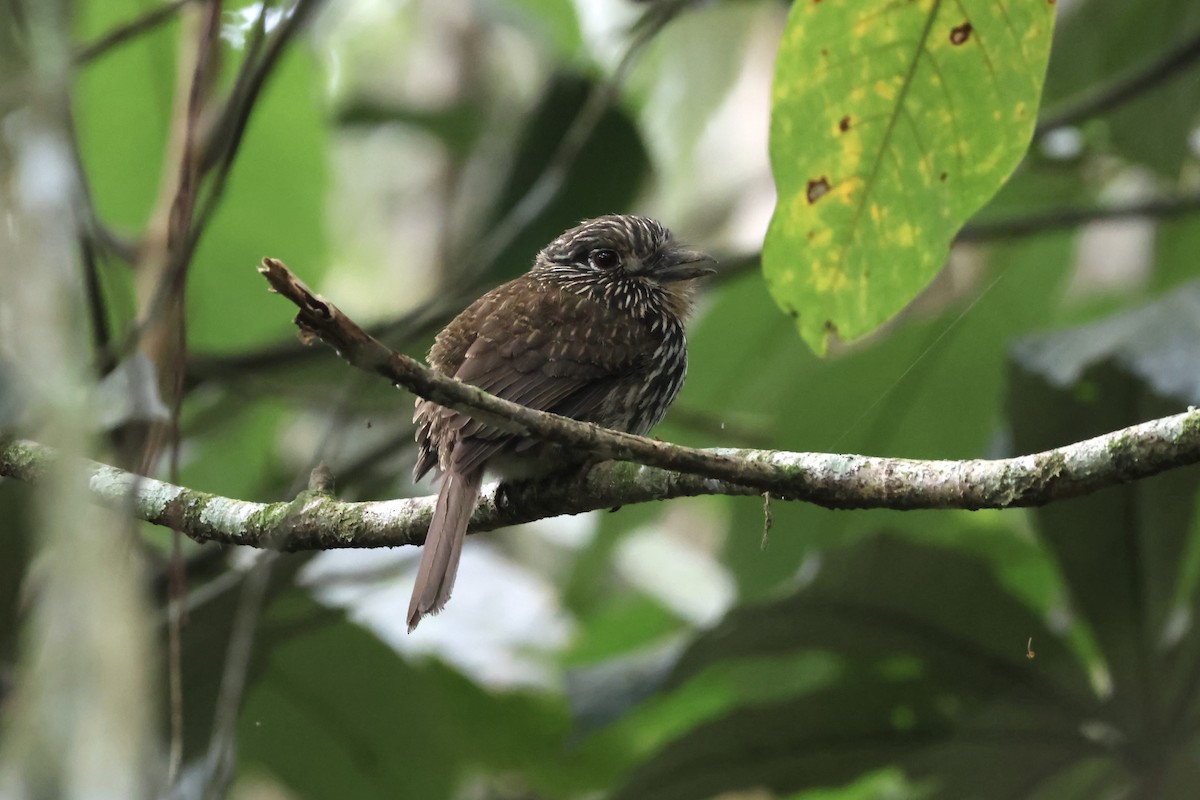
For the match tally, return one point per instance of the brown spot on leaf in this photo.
(811, 234)
(943, 177)
(960, 34)
(844, 123)
(793, 313)
(830, 327)
(824, 52)
(817, 189)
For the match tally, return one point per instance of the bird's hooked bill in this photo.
(681, 265)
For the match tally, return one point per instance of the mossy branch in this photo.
(315, 520)
(638, 469)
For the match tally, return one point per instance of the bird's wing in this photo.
(559, 355)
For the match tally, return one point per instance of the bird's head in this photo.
(622, 247)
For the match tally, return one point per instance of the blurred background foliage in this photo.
(404, 157)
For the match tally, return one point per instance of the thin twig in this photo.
(1125, 88)
(129, 30)
(228, 132)
(548, 184)
(179, 224)
(768, 520)
(233, 678)
(97, 308)
(1072, 216)
(287, 353)
(94, 241)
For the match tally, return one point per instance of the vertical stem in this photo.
(80, 719)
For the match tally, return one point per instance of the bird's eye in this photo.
(604, 259)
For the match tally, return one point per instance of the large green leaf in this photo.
(892, 123)
(331, 711)
(934, 677)
(1121, 551)
(331, 731)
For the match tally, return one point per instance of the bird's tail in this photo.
(457, 498)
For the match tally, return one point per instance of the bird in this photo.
(593, 331)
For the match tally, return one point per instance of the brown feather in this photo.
(456, 501)
(594, 332)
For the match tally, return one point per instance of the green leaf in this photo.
(720, 689)
(892, 123)
(226, 427)
(274, 205)
(332, 711)
(457, 126)
(1156, 343)
(1123, 552)
(603, 179)
(206, 637)
(333, 714)
(552, 20)
(934, 676)
(1175, 249)
(621, 625)
(122, 104)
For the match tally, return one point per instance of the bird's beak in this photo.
(683, 265)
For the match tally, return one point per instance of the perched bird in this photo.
(593, 331)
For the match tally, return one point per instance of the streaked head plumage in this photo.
(623, 245)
